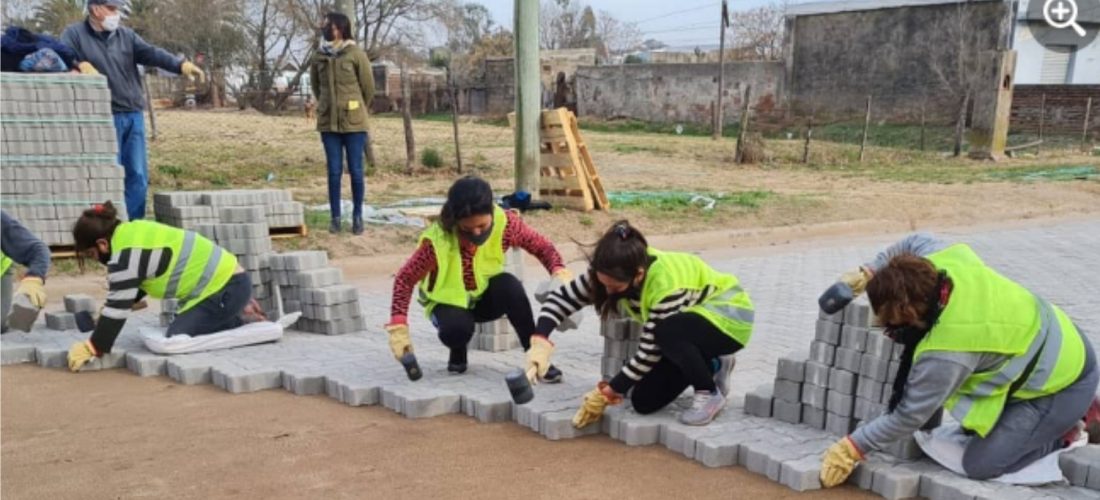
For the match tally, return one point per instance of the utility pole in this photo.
(718, 114)
(527, 95)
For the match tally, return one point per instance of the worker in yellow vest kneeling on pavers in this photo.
(1012, 368)
(693, 319)
(213, 292)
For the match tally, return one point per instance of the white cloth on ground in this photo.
(251, 333)
(945, 444)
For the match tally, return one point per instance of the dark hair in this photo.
(905, 295)
(96, 223)
(340, 22)
(619, 253)
(468, 196)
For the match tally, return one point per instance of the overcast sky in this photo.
(677, 23)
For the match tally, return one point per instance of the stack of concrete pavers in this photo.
(189, 209)
(306, 283)
(251, 244)
(59, 149)
(1082, 466)
(494, 336)
(66, 320)
(620, 342)
(845, 379)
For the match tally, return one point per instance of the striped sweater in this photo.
(126, 270)
(573, 296)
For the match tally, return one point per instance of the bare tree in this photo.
(758, 33)
(566, 24)
(615, 36)
(16, 12)
(382, 23)
(954, 47)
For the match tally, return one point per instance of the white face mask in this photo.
(111, 22)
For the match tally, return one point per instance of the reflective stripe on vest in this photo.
(450, 285)
(198, 267)
(1021, 326)
(5, 263)
(728, 307)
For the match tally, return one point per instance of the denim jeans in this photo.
(218, 312)
(130, 132)
(354, 143)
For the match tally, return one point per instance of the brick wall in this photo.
(1065, 107)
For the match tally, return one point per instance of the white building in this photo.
(1057, 64)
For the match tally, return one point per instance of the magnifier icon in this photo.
(1066, 12)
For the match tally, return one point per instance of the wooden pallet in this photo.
(564, 177)
(62, 251)
(282, 233)
(594, 182)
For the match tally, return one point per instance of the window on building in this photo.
(1057, 61)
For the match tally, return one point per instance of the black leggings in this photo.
(688, 343)
(503, 296)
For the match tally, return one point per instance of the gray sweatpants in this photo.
(1029, 430)
(5, 300)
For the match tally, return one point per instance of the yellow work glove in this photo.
(538, 358)
(399, 340)
(86, 68)
(34, 289)
(80, 354)
(191, 71)
(839, 461)
(563, 274)
(857, 280)
(595, 401)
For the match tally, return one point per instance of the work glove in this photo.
(856, 280)
(191, 71)
(839, 461)
(34, 289)
(563, 274)
(538, 358)
(595, 401)
(86, 68)
(80, 354)
(399, 340)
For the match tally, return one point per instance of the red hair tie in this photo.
(97, 208)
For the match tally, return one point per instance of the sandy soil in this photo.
(114, 435)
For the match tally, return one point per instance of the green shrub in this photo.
(431, 158)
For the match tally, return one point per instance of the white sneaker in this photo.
(725, 370)
(705, 406)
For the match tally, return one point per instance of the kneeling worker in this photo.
(145, 257)
(1012, 368)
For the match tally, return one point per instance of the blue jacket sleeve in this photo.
(23, 247)
(147, 54)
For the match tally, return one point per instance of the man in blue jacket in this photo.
(116, 51)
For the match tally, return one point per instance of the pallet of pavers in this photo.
(59, 152)
(845, 379)
(274, 207)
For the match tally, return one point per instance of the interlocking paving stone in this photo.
(358, 369)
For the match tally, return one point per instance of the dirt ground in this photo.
(114, 435)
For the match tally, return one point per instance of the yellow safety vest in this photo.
(198, 267)
(990, 313)
(449, 287)
(5, 263)
(727, 307)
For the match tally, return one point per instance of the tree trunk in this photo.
(152, 113)
(741, 134)
(454, 119)
(960, 125)
(718, 115)
(866, 125)
(406, 118)
(809, 134)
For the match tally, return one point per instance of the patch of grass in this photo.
(585, 221)
(636, 126)
(636, 148)
(219, 179)
(430, 157)
(686, 201)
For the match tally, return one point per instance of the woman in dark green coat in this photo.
(343, 84)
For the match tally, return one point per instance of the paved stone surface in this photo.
(1059, 262)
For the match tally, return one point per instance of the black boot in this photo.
(357, 225)
(457, 362)
(334, 226)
